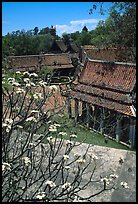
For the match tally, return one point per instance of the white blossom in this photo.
(52, 128)
(68, 142)
(57, 125)
(6, 166)
(50, 183)
(76, 199)
(19, 126)
(40, 195)
(53, 88)
(34, 111)
(42, 83)
(66, 186)
(106, 180)
(32, 83)
(37, 96)
(20, 91)
(81, 161)
(31, 144)
(114, 176)
(67, 167)
(124, 184)
(26, 73)
(62, 133)
(34, 74)
(28, 85)
(18, 72)
(26, 160)
(66, 157)
(31, 119)
(7, 124)
(51, 140)
(26, 80)
(73, 136)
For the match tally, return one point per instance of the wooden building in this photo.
(103, 98)
(108, 54)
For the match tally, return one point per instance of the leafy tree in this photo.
(36, 30)
(34, 171)
(66, 38)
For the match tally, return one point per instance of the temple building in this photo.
(103, 97)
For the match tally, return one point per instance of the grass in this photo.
(83, 133)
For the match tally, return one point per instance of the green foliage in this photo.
(118, 30)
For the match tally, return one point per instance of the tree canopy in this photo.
(118, 30)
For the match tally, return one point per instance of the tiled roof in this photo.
(94, 100)
(58, 45)
(73, 47)
(108, 87)
(56, 59)
(103, 93)
(110, 54)
(120, 77)
(62, 60)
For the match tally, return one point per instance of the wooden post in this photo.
(87, 114)
(118, 128)
(132, 132)
(102, 117)
(76, 110)
(69, 107)
(83, 112)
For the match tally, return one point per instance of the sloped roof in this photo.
(58, 45)
(61, 60)
(107, 86)
(120, 77)
(110, 54)
(57, 61)
(73, 47)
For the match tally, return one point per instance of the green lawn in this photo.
(83, 134)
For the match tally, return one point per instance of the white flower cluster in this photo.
(124, 184)
(76, 199)
(81, 161)
(65, 157)
(50, 183)
(40, 195)
(53, 88)
(113, 176)
(73, 136)
(37, 96)
(26, 161)
(68, 142)
(51, 140)
(67, 167)
(31, 119)
(13, 82)
(66, 186)
(18, 72)
(6, 166)
(19, 126)
(28, 82)
(8, 123)
(42, 83)
(62, 133)
(30, 74)
(106, 180)
(33, 74)
(20, 91)
(52, 128)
